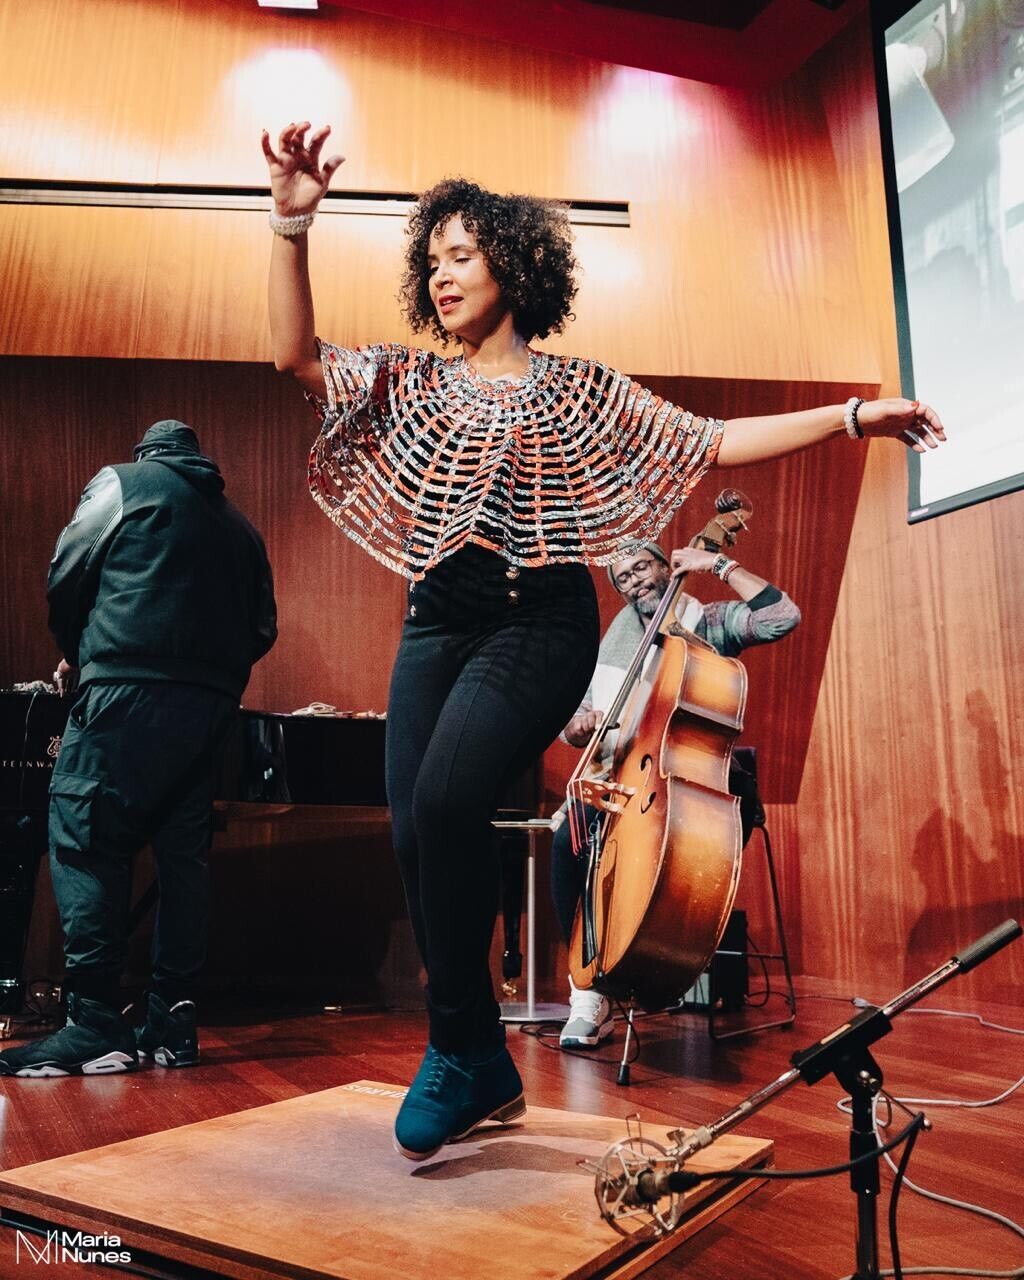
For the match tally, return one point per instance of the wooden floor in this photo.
(788, 1231)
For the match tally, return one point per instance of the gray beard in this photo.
(647, 607)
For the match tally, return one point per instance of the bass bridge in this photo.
(603, 794)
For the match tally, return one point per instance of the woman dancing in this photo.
(490, 480)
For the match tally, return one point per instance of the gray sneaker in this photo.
(590, 1020)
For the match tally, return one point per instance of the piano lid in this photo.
(268, 758)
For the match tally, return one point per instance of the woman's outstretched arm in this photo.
(298, 183)
(757, 439)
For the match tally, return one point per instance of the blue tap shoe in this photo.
(452, 1095)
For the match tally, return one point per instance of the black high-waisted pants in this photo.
(492, 663)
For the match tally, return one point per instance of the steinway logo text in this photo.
(69, 1246)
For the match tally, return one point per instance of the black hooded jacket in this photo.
(159, 577)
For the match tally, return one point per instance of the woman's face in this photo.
(465, 294)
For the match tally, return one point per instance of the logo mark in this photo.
(35, 1250)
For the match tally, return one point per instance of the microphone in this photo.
(636, 1175)
(632, 1182)
(654, 1184)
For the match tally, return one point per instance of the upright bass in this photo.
(664, 848)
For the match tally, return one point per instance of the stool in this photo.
(530, 1011)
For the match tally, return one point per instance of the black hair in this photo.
(527, 244)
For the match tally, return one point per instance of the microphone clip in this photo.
(631, 1185)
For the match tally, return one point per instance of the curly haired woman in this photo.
(491, 480)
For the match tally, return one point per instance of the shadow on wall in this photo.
(953, 868)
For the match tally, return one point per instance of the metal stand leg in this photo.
(531, 1011)
(623, 1076)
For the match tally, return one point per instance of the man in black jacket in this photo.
(161, 599)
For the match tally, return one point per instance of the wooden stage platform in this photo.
(261, 1054)
(311, 1187)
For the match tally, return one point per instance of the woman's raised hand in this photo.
(298, 181)
(917, 425)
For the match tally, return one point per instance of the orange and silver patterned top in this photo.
(419, 455)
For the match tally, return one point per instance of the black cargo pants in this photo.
(136, 766)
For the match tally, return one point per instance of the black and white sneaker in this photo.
(169, 1035)
(590, 1020)
(95, 1041)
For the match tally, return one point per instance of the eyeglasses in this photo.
(640, 570)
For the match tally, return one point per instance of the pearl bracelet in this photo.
(853, 427)
(293, 226)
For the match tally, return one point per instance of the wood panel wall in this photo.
(755, 265)
(728, 269)
(908, 836)
(340, 612)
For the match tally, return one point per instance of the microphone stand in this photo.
(626, 1184)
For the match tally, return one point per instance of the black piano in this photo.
(271, 760)
(272, 765)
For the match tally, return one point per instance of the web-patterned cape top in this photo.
(419, 455)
